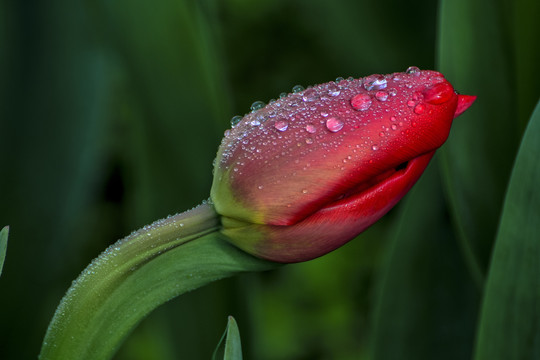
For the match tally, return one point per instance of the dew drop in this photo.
(297, 88)
(375, 148)
(324, 114)
(309, 141)
(375, 82)
(392, 92)
(282, 95)
(333, 89)
(413, 70)
(381, 134)
(304, 191)
(417, 96)
(235, 120)
(281, 125)
(255, 122)
(411, 103)
(381, 95)
(334, 124)
(361, 102)
(394, 127)
(339, 79)
(393, 118)
(438, 93)
(310, 128)
(310, 95)
(419, 109)
(260, 187)
(257, 105)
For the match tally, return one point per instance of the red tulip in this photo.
(300, 177)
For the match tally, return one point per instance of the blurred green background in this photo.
(110, 117)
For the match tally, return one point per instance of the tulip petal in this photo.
(284, 162)
(464, 102)
(330, 227)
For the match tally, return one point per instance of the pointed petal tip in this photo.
(464, 102)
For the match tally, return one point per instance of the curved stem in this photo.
(136, 275)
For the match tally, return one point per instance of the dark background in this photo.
(110, 116)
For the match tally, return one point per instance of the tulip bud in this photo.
(301, 176)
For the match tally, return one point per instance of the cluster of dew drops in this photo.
(320, 111)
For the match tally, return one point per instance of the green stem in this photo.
(136, 275)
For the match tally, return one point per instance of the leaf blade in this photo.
(476, 162)
(230, 342)
(510, 318)
(3, 246)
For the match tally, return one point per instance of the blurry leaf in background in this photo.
(174, 99)
(427, 303)
(54, 86)
(486, 50)
(3, 246)
(510, 323)
(229, 346)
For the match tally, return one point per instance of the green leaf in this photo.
(510, 317)
(477, 158)
(229, 345)
(135, 276)
(3, 246)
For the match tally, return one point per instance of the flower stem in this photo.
(136, 275)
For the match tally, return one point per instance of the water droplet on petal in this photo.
(309, 141)
(381, 95)
(438, 93)
(334, 124)
(419, 109)
(310, 128)
(392, 92)
(260, 187)
(393, 118)
(235, 120)
(361, 102)
(413, 70)
(375, 82)
(381, 134)
(333, 89)
(282, 95)
(411, 103)
(324, 114)
(339, 79)
(394, 127)
(281, 125)
(375, 147)
(298, 88)
(310, 95)
(255, 122)
(257, 105)
(304, 191)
